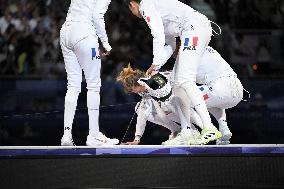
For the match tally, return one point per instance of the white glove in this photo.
(107, 46)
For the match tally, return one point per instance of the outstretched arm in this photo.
(143, 109)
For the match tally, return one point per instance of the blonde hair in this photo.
(129, 78)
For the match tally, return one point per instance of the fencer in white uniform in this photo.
(168, 19)
(221, 90)
(79, 43)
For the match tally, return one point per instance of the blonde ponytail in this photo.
(129, 77)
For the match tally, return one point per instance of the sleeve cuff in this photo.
(137, 138)
(107, 46)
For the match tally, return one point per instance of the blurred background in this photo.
(33, 78)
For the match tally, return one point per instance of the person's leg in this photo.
(147, 111)
(220, 116)
(226, 93)
(74, 77)
(196, 119)
(88, 55)
(190, 132)
(212, 101)
(163, 121)
(193, 44)
(185, 77)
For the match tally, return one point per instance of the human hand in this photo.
(134, 142)
(107, 49)
(154, 69)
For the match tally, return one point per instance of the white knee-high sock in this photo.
(194, 95)
(93, 103)
(220, 116)
(70, 108)
(184, 123)
(196, 119)
(193, 119)
(182, 108)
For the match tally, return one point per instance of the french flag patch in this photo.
(191, 41)
(148, 19)
(205, 96)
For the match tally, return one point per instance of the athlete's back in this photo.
(175, 15)
(81, 10)
(212, 66)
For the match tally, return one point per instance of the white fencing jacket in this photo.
(91, 11)
(167, 19)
